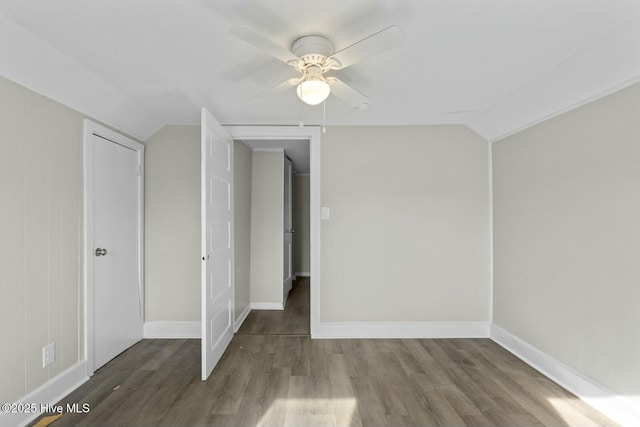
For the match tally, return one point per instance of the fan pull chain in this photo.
(324, 116)
(301, 124)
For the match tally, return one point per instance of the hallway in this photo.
(293, 320)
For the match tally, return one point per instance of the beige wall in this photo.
(40, 238)
(302, 236)
(409, 237)
(267, 198)
(567, 239)
(242, 164)
(172, 225)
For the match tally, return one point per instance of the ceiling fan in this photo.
(313, 56)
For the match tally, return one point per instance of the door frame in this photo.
(91, 128)
(284, 228)
(312, 134)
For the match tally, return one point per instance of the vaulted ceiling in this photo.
(494, 65)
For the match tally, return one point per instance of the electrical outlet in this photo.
(48, 354)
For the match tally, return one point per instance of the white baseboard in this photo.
(402, 330)
(618, 408)
(267, 306)
(49, 393)
(303, 274)
(243, 316)
(172, 330)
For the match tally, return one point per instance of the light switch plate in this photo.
(326, 213)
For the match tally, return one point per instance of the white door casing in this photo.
(313, 135)
(113, 168)
(288, 231)
(217, 242)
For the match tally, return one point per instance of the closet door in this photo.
(115, 254)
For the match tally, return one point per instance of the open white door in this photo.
(217, 242)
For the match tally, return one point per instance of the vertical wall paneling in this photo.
(40, 255)
(12, 254)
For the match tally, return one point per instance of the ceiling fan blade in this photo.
(347, 94)
(382, 41)
(275, 90)
(264, 45)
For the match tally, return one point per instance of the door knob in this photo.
(101, 251)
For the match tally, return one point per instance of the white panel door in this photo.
(217, 242)
(288, 230)
(116, 266)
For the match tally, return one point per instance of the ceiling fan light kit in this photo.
(313, 52)
(313, 89)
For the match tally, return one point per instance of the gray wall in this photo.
(302, 236)
(172, 233)
(40, 238)
(242, 164)
(172, 225)
(567, 238)
(409, 236)
(267, 198)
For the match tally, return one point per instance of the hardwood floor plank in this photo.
(392, 391)
(445, 414)
(409, 363)
(418, 409)
(370, 407)
(523, 420)
(189, 410)
(345, 408)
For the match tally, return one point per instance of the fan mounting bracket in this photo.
(313, 50)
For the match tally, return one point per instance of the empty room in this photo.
(335, 213)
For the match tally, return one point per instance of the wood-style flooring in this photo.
(293, 320)
(291, 380)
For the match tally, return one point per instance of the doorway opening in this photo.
(268, 146)
(273, 234)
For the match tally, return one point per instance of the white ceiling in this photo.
(494, 65)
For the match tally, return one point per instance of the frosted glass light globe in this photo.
(313, 91)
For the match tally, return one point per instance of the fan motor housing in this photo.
(313, 49)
